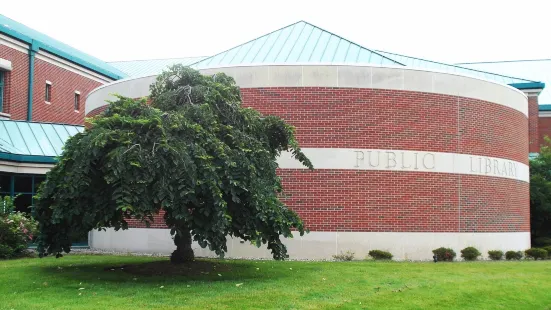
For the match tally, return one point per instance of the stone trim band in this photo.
(403, 160)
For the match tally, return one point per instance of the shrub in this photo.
(348, 256)
(495, 255)
(548, 249)
(536, 253)
(542, 241)
(470, 253)
(17, 230)
(380, 255)
(513, 255)
(444, 254)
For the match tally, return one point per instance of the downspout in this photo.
(32, 51)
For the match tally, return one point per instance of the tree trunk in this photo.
(183, 252)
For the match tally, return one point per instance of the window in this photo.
(77, 101)
(48, 92)
(1, 91)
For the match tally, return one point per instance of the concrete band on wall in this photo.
(24, 168)
(406, 160)
(342, 76)
(319, 245)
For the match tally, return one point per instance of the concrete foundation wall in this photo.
(320, 245)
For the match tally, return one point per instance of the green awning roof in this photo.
(41, 41)
(23, 141)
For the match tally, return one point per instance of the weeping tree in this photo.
(192, 153)
(540, 196)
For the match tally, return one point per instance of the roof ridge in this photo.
(291, 25)
(130, 60)
(502, 61)
(457, 66)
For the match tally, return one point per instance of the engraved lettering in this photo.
(472, 169)
(511, 169)
(369, 159)
(431, 161)
(359, 158)
(514, 169)
(504, 168)
(415, 162)
(404, 161)
(496, 167)
(391, 158)
(488, 166)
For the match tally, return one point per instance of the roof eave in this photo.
(27, 158)
(530, 85)
(24, 38)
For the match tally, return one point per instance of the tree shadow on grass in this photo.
(161, 271)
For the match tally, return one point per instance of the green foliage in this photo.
(548, 249)
(17, 230)
(540, 195)
(470, 253)
(536, 253)
(541, 241)
(513, 255)
(495, 255)
(444, 254)
(347, 256)
(195, 153)
(380, 255)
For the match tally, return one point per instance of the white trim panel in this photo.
(5, 64)
(320, 245)
(132, 87)
(361, 76)
(403, 160)
(69, 66)
(27, 168)
(343, 76)
(13, 43)
(545, 114)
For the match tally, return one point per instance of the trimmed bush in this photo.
(548, 249)
(348, 256)
(380, 255)
(444, 254)
(536, 253)
(513, 255)
(470, 253)
(495, 255)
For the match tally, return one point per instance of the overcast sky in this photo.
(449, 31)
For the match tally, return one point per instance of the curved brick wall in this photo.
(456, 157)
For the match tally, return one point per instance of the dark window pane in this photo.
(5, 183)
(37, 181)
(23, 184)
(23, 202)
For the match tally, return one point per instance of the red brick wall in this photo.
(533, 115)
(544, 128)
(64, 85)
(395, 201)
(16, 88)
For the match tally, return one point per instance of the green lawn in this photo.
(87, 282)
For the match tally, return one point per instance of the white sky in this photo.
(449, 31)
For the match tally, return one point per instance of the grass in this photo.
(98, 282)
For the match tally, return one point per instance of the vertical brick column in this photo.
(533, 117)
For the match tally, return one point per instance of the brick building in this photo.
(410, 154)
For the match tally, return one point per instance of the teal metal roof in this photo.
(433, 65)
(33, 142)
(41, 41)
(300, 42)
(545, 107)
(147, 67)
(539, 69)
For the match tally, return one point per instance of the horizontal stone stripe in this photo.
(319, 244)
(358, 76)
(405, 160)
